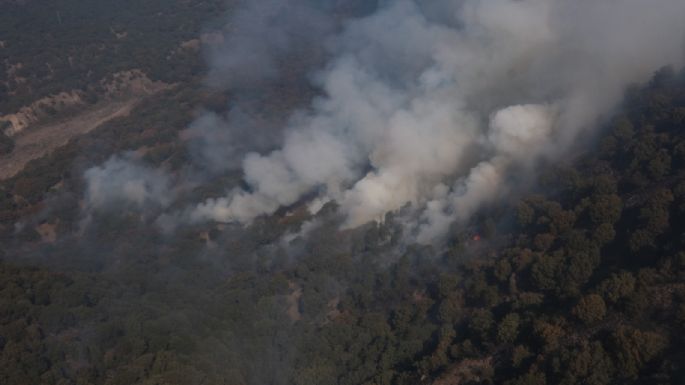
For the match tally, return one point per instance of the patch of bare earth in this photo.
(47, 232)
(42, 140)
(293, 301)
(38, 139)
(33, 113)
(333, 312)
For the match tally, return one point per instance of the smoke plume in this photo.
(262, 36)
(123, 181)
(434, 104)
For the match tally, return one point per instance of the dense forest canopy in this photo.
(575, 275)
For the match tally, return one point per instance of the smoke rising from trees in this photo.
(123, 181)
(432, 104)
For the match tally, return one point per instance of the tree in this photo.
(546, 270)
(508, 329)
(618, 286)
(605, 208)
(623, 129)
(604, 233)
(525, 214)
(519, 354)
(634, 348)
(589, 364)
(548, 334)
(533, 377)
(660, 165)
(481, 323)
(590, 309)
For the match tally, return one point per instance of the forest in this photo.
(47, 47)
(577, 279)
(579, 283)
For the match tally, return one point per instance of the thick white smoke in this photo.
(433, 103)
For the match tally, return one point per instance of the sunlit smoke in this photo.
(435, 110)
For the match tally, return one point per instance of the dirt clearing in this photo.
(38, 141)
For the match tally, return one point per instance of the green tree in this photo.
(634, 348)
(587, 365)
(518, 355)
(481, 323)
(590, 309)
(605, 208)
(508, 329)
(618, 286)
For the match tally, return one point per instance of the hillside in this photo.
(586, 288)
(50, 47)
(213, 192)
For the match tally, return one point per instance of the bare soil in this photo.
(40, 140)
(293, 300)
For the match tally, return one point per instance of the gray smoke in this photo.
(122, 181)
(218, 143)
(435, 103)
(269, 50)
(262, 36)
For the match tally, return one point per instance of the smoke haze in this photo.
(122, 181)
(433, 104)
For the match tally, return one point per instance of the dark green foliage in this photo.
(587, 364)
(508, 328)
(590, 309)
(618, 286)
(633, 349)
